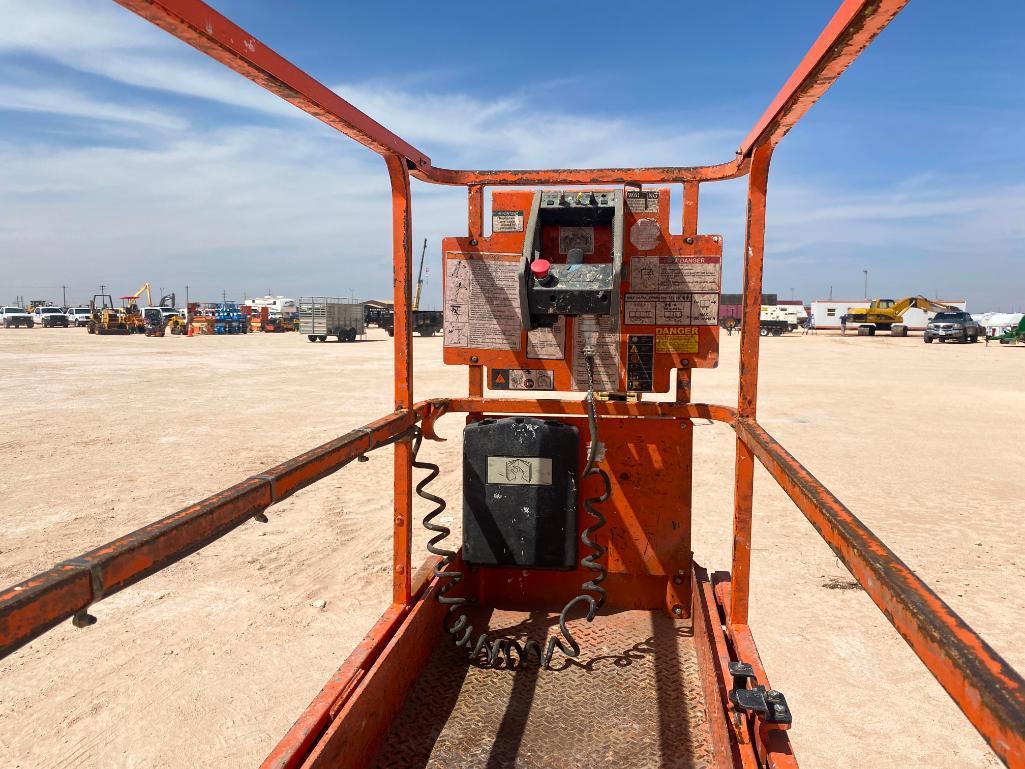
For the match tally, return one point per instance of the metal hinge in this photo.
(769, 705)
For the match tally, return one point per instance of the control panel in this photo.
(576, 275)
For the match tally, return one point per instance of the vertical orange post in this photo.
(690, 209)
(402, 277)
(475, 230)
(743, 488)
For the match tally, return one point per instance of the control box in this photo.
(561, 261)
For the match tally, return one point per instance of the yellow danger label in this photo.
(676, 339)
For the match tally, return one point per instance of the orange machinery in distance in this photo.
(573, 627)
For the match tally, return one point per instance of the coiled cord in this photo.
(456, 622)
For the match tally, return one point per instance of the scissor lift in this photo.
(663, 670)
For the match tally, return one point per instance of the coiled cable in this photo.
(456, 622)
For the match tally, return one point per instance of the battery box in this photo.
(520, 493)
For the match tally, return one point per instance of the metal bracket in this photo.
(261, 516)
(82, 618)
(768, 705)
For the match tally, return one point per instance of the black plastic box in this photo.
(520, 493)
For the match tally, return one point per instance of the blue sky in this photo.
(128, 156)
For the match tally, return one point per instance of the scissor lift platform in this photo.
(633, 698)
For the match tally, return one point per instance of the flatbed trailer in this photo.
(661, 667)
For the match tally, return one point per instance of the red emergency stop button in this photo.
(540, 268)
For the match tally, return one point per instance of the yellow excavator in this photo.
(888, 314)
(133, 315)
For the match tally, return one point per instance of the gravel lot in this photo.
(207, 663)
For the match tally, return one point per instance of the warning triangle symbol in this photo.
(499, 379)
(633, 348)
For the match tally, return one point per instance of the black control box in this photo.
(520, 493)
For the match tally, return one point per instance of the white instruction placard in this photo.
(548, 343)
(673, 291)
(606, 361)
(680, 274)
(482, 303)
(671, 309)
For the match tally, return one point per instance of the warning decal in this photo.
(548, 343)
(482, 304)
(507, 221)
(642, 201)
(691, 274)
(676, 340)
(521, 379)
(671, 309)
(576, 237)
(640, 358)
(606, 361)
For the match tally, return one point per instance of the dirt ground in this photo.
(207, 663)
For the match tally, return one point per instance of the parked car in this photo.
(953, 324)
(78, 316)
(15, 316)
(50, 317)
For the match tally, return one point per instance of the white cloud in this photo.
(70, 103)
(294, 206)
(100, 38)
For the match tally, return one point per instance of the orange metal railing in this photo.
(988, 691)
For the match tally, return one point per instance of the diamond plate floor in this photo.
(632, 700)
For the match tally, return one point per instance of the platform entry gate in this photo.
(570, 624)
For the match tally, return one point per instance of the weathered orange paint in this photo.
(38, 604)
(988, 690)
(342, 725)
(743, 481)
(730, 742)
(555, 406)
(402, 278)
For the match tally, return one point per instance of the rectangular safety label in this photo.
(507, 221)
(547, 343)
(482, 303)
(576, 237)
(676, 339)
(640, 359)
(606, 359)
(520, 471)
(671, 309)
(642, 201)
(521, 379)
(677, 274)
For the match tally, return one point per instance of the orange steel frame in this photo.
(988, 691)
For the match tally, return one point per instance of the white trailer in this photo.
(324, 316)
(826, 313)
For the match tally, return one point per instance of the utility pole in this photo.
(866, 283)
(186, 296)
(831, 293)
(791, 294)
(64, 294)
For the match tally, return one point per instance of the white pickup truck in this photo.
(15, 316)
(79, 316)
(50, 317)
